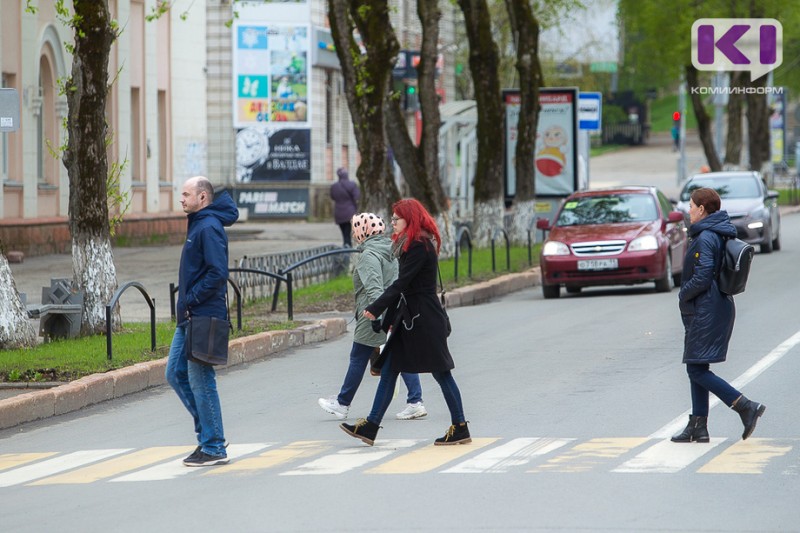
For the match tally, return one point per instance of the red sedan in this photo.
(620, 236)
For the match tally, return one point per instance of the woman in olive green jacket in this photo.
(375, 269)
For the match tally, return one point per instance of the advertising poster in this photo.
(555, 154)
(273, 155)
(271, 74)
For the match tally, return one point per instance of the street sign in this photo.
(590, 111)
(9, 110)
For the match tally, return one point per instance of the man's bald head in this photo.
(197, 194)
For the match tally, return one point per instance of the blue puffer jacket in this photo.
(707, 314)
(202, 280)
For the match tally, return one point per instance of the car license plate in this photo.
(597, 264)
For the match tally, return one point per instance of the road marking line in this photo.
(115, 466)
(56, 465)
(500, 459)
(667, 457)
(749, 375)
(429, 458)
(589, 455)
(745, 457)
(272, 458)
(13, 460)
(351, 458)
(176, 468)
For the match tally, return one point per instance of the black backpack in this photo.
(737, 256)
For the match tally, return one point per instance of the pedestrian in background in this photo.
(418, 342)
(708, 317)
(375, 269)
(202, 291)
(345, 195)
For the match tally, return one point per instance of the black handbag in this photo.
(207, 340)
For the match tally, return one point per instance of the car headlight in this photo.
(555, 248)
(640, 244)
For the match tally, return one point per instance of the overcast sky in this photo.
(585, 35)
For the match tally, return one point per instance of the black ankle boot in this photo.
(696, 430)
(456, 434)
(363, 429)
(749, 413)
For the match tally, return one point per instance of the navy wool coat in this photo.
(418, 342)
(707, 313)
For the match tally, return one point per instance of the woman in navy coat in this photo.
(708, 317)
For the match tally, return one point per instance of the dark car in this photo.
(620, 236)
(752, 207)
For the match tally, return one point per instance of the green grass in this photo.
(65, 360)
(788, 197)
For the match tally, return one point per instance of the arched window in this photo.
(47, 121)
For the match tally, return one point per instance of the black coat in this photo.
(707, 314)
(418, 342)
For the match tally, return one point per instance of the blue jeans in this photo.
(703, 381)
(359, 359)
(196, 386)
(383, 396)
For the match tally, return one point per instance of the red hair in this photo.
(418, 222)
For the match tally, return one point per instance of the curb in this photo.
(97, 388)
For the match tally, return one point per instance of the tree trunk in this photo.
(420, 164)
(758, 138)
(483, 61)
(87, 163)
(367, 77)
(703, 121)
(15, 330)
(526, 36)
(733, 143)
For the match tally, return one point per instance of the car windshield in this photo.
(608, 209)
(725, 187)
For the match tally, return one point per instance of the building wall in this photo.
(156, 108)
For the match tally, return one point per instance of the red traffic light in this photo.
(676, 115)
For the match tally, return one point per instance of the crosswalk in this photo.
(485, 455)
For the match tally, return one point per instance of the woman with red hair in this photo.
(418, 323)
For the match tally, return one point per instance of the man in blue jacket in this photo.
(202, 289)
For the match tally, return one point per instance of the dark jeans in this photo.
(345, 227)
(703, 381)
(383, 396)
(359, 359)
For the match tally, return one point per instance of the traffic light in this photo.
(410, 97)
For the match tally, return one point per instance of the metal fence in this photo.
(255, 287)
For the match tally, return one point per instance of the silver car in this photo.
(752, 207)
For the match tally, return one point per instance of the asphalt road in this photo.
(571, 403)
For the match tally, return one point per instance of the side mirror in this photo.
(675, 216)
(772, 194)
(543, 224)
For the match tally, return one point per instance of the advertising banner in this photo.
(273, 203)
(273, 155)
(555, 154)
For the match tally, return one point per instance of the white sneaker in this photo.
(412, 410)
(331, 405)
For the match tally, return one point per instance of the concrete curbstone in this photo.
(334, 327)
(99, 387)
(256, 346)
(278, 341)
(129, 380)
(70, 397)
(236, 351)
(313, 333)
(156, 371)
(295, 337)
(27, 407)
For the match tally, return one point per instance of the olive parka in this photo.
(707, 313)
(418, 341)
(375, 268)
